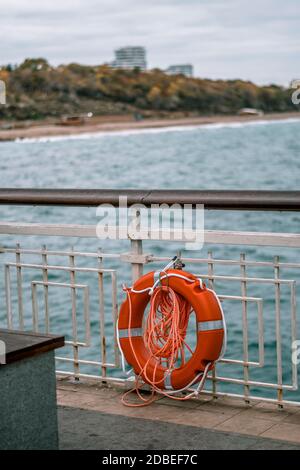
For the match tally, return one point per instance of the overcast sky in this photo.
(257, 40)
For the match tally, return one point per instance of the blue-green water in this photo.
(237, 156)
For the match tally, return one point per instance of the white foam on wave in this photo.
(155, 130)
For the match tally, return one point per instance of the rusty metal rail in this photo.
(212, 199)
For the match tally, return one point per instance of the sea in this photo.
(244, 155)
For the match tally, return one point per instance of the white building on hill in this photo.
(130, 57)
(183, 69)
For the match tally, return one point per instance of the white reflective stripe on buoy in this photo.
(133, 332)
(210, 325)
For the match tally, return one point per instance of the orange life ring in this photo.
(210, 329)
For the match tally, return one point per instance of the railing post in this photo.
(211, 285)
(137, 268)
(19, 286)
(74, 317)
(46, 288)
(245, 326)
(278, 331)
(102, 316)
(137, 249)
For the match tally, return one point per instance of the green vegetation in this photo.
(36, 90)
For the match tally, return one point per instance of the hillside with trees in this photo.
(37, 90)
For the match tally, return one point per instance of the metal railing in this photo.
(212, 199)
(266, 296)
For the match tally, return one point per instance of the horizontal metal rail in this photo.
(212, 199)
(291, 240)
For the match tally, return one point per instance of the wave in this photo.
(155, 130)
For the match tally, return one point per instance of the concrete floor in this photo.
(93, 417)
(89, 430)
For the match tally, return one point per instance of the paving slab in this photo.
(225, 415)
(90, 430)
(288, 431)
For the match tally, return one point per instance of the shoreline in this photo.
(127, 123)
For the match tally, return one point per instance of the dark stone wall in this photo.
(28, 412)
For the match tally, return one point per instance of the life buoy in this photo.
(210, 329)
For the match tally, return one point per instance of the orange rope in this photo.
(166, 326)
(164, 336)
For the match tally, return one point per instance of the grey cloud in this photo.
(257, 40)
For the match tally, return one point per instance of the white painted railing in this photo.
(39, 271)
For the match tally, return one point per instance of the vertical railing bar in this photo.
(115, 316)
(101, 315)
(35, 314)
(74, 316)
(137, 249)
(19, 287)
(8, 298)
(86, 303)
(278, 331)
(46, 288)
(294, 330)
(137, 268)
(245, 327)
(210, 268)
(261, 345)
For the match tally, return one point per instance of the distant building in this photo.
(182, 69)
(130, 57)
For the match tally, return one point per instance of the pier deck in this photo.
(93, 417)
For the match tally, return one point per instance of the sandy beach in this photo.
(120, 123)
